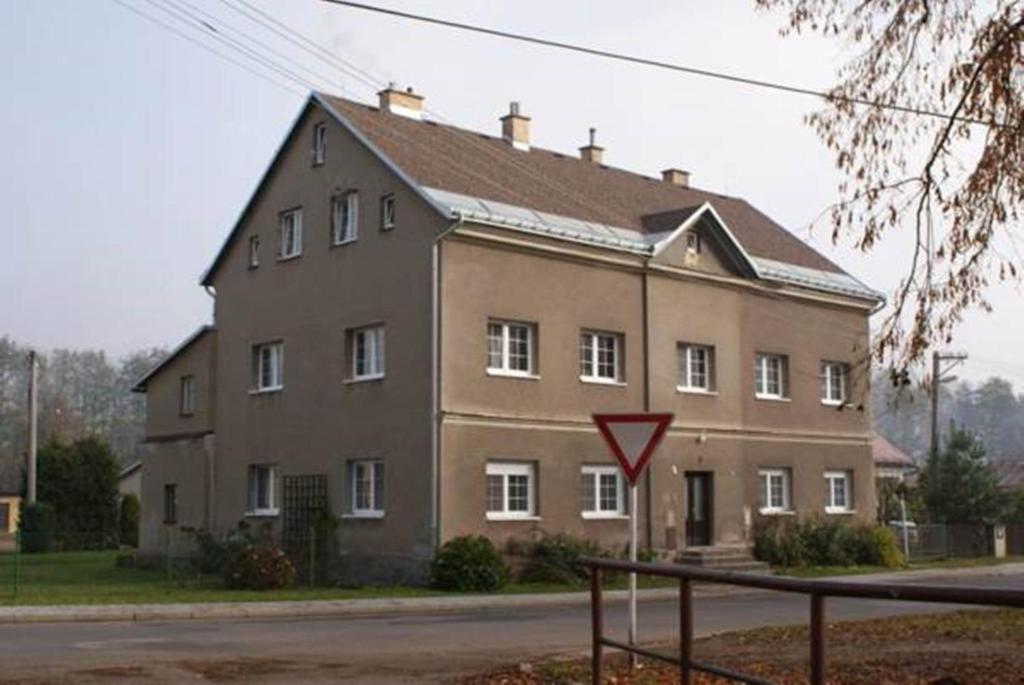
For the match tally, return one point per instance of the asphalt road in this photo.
(385, 649)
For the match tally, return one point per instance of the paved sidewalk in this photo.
(421, 605)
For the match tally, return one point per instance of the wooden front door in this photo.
(699, 494)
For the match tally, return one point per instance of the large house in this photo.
(414, 323)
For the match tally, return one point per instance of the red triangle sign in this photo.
(632, 438)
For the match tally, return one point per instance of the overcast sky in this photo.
(128, 152)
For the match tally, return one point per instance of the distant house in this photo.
(1011, 473)
(10, 494)
(890, 460)
(129, 481)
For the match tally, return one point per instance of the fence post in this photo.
(596, 625)
(817, 639)
(17, 564)
(685, 630)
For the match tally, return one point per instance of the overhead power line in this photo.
(707, 73)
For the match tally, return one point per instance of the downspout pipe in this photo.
(436, 411)
(648, 483)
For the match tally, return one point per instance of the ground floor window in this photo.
(511, 490)
(170, 503)
(367, 479)
(602, 492)
(838, 492)
(776, 490)
(262, 490)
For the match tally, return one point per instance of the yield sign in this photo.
(632, 438)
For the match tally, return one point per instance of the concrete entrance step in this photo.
(726, 558)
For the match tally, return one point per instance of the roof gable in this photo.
(709, 224)
(140, 385)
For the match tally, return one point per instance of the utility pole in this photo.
(939, 377)
(33, 423)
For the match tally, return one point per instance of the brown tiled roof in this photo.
(886, 453)
(1011, 472)
(478, 165)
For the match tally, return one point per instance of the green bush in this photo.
(468, 564)
(824, 542)
(214, 555)
(260, 567)
(129, 521)
(37, 526)
(555, 559)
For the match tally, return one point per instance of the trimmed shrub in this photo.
(259, 567)
(555, 559)
(129, 521)
(469, 563)
(37, 526)
(824, 542)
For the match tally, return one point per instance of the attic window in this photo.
(319, 144)
(692, 242)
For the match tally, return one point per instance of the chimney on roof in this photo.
(676, 177)
(592, 153)
(401, 102)
(515, 128)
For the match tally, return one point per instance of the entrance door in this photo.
(699, 494)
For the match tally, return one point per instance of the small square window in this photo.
(510, 348)
(771, 376)
(696, 367)
(833, 382)
(291, 233)
(387, 212)
(838, 497)
(776, 490)
(603, 492)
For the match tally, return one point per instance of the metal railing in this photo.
(818, 590)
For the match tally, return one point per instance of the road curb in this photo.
(416, 605)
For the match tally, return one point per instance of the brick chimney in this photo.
(404, 103)
(676, 177)
(592, 153)
(515, 128)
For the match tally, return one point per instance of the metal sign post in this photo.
(632, 439)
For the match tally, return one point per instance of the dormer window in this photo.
(319, 144)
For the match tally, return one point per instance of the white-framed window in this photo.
(345, 217)
(510, 348)
(602, 491)
(291, 233)
(511, 490)
(838, 492)
(367, 352)
(387, 212)
(268, 366)
(833, 382)
(187, 396)
(319, 144)
(254, 251)
(770, 371)
(367, 483)
(262, 490)
(600, 357)
(696, 367)
(776, 490)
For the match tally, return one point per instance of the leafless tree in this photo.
(942, 156)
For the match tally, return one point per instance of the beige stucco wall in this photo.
(187, 464)
(320, 420)
(163, 391)
(546, 420)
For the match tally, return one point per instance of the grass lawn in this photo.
(979, 647)
(92, 578)
(825, 571)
